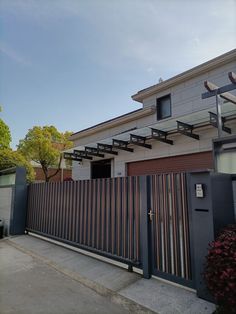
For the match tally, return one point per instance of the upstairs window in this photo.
(163, 107)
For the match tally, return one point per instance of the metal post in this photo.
(130, 268)
(62, 174)
(19, 207)
(219, 117)
(145, 226)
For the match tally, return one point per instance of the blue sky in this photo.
(75, 63)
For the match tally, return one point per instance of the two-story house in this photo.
(172, 132)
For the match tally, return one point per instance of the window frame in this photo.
(158, 104)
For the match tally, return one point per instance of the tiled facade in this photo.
(185, 100)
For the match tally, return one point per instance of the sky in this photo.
(76, 63)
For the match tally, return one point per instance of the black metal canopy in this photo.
(123, 145)
(82, 154)
(71, 156)
(93, 151)
(161, 130)
(106, 148)
(160, 136)
(139, 141)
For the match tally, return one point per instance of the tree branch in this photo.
(58, 168)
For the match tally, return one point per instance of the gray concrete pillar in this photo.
(211, 206)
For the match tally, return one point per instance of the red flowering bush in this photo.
(68, 179)
(220, 271)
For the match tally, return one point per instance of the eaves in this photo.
(180, 78)
(131, 116)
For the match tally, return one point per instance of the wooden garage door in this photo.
(198, 161)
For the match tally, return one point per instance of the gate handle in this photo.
(151, 213)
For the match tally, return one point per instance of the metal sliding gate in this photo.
(105, 216)
(100, 215)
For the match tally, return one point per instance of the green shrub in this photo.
(220, 271)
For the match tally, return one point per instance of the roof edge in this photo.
(199, 69)
(125, 118)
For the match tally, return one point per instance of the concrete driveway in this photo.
(38, 276)
(28, 285)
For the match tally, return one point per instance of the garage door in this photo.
(198, 161)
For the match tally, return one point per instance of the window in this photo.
(163, 107)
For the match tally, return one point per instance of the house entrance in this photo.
(101, 169)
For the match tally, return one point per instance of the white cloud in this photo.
(155, 34)
(13, 55)
(159, 34)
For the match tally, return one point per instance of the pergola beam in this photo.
(232, 77)
(214, 90)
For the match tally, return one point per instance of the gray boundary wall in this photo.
(13, 201)
(6, 201)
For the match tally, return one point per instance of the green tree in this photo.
(10, 158)
(44, 145)
(5, 135)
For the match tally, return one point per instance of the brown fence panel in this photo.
(99, 215)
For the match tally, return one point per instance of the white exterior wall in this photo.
(81, 170)
(186, 99)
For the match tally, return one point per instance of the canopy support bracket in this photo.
(161, 136)
(123, 145)
(186, 129)
(214, 122)
(105, 148)
(139, 141)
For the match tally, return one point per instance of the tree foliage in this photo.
(44, 145)
(5, 135)
(10, 158)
